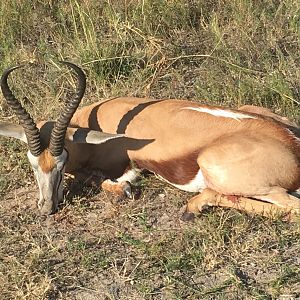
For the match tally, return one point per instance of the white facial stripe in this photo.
(129, 176)
(44, 182)
(50, 183)
(195, 185)
(221, 113)
(34, 160)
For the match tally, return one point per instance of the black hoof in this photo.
(205, 207)
(128, 190)
(187, 217)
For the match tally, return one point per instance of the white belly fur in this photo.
(195, 185)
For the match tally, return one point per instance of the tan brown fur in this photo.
(255, 153)
(113, 187)
(179, 171)
(267, 113)
(176, 132)
(46, 161)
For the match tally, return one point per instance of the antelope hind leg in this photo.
(249, 205)
(196, 204)
(279, 197)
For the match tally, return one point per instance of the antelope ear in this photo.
(87, 136)
(13, 130)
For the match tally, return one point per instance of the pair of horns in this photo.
(32, 133)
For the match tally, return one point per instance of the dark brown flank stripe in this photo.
(177, 171)
(93, 121)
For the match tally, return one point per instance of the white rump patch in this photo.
(221, 113)
(195, 185)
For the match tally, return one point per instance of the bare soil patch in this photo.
(101, 247)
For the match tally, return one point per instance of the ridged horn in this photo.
(57, 138)
(31, 131)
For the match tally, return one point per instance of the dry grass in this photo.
(100, 248)
(226, 52)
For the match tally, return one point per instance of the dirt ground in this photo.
(100, 247)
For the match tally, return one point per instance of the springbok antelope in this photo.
(235, 158)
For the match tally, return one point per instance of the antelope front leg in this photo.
(122, 185)
(117, 188)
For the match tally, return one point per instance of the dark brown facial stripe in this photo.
(177, 171)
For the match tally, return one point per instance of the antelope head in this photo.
(47, 153)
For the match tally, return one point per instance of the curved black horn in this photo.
(31, 131)
(59, 131)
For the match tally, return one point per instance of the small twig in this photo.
(19, 194)
(217, 58)
(281, 94)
